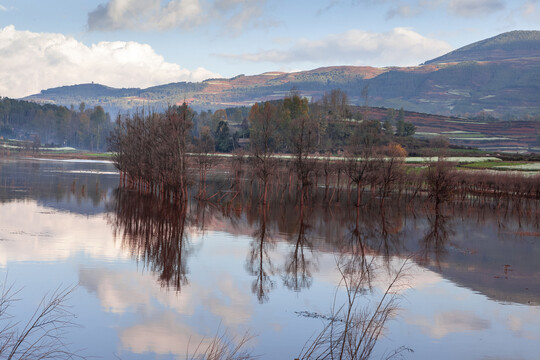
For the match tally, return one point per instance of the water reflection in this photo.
(475, 246)
(214, 252)
(154, 232)
(259, 262)
(66, 186)
(433, 245)
(299, 262)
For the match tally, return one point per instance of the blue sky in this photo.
(140, 43)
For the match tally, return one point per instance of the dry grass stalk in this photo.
(223, 347)
(42, 336)
(353, 330)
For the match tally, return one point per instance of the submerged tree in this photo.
(151, 151)
(440, 182)
(204, 147)
(303, 134)
(391, 170)
(263, 120)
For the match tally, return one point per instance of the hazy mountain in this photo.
(499, 76)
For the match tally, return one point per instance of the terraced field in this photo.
(496, 136)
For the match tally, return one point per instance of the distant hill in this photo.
(499, 76)
(510, 45)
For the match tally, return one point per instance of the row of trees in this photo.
(331, 120)
(56, 125)
(151, 149)
(327, 126)
(160, 152)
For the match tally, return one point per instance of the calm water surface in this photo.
(154, 280)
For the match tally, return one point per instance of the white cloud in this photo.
(400, 46)
(472, 8)
(530, 10)
(2, 8)
(241, 12)
(411, 8)
(403, 11)
(156, 14)
(145, 14)
(31, 62)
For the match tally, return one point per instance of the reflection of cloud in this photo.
(420, 278)
(122, 290)
(165, 335)
(32, 233)
(235, 308)
(162, 327)
(525, 325)
(445, 323)
(116, 290)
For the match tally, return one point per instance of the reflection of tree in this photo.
(358, 249)
(202, 210)
(259, 258)
(389, 231)
(436, 239)
(154, 232)
(297, 271)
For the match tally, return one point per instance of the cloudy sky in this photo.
(140, 43)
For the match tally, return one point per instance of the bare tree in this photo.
(391, 169)
(303, 135)
(263, 119)
(440, 181)
(204, 147)
(359, 169)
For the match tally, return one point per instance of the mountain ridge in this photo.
(509, 45)
(499, 75)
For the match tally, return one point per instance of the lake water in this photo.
(154, 281)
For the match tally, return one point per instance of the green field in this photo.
(491, 165)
